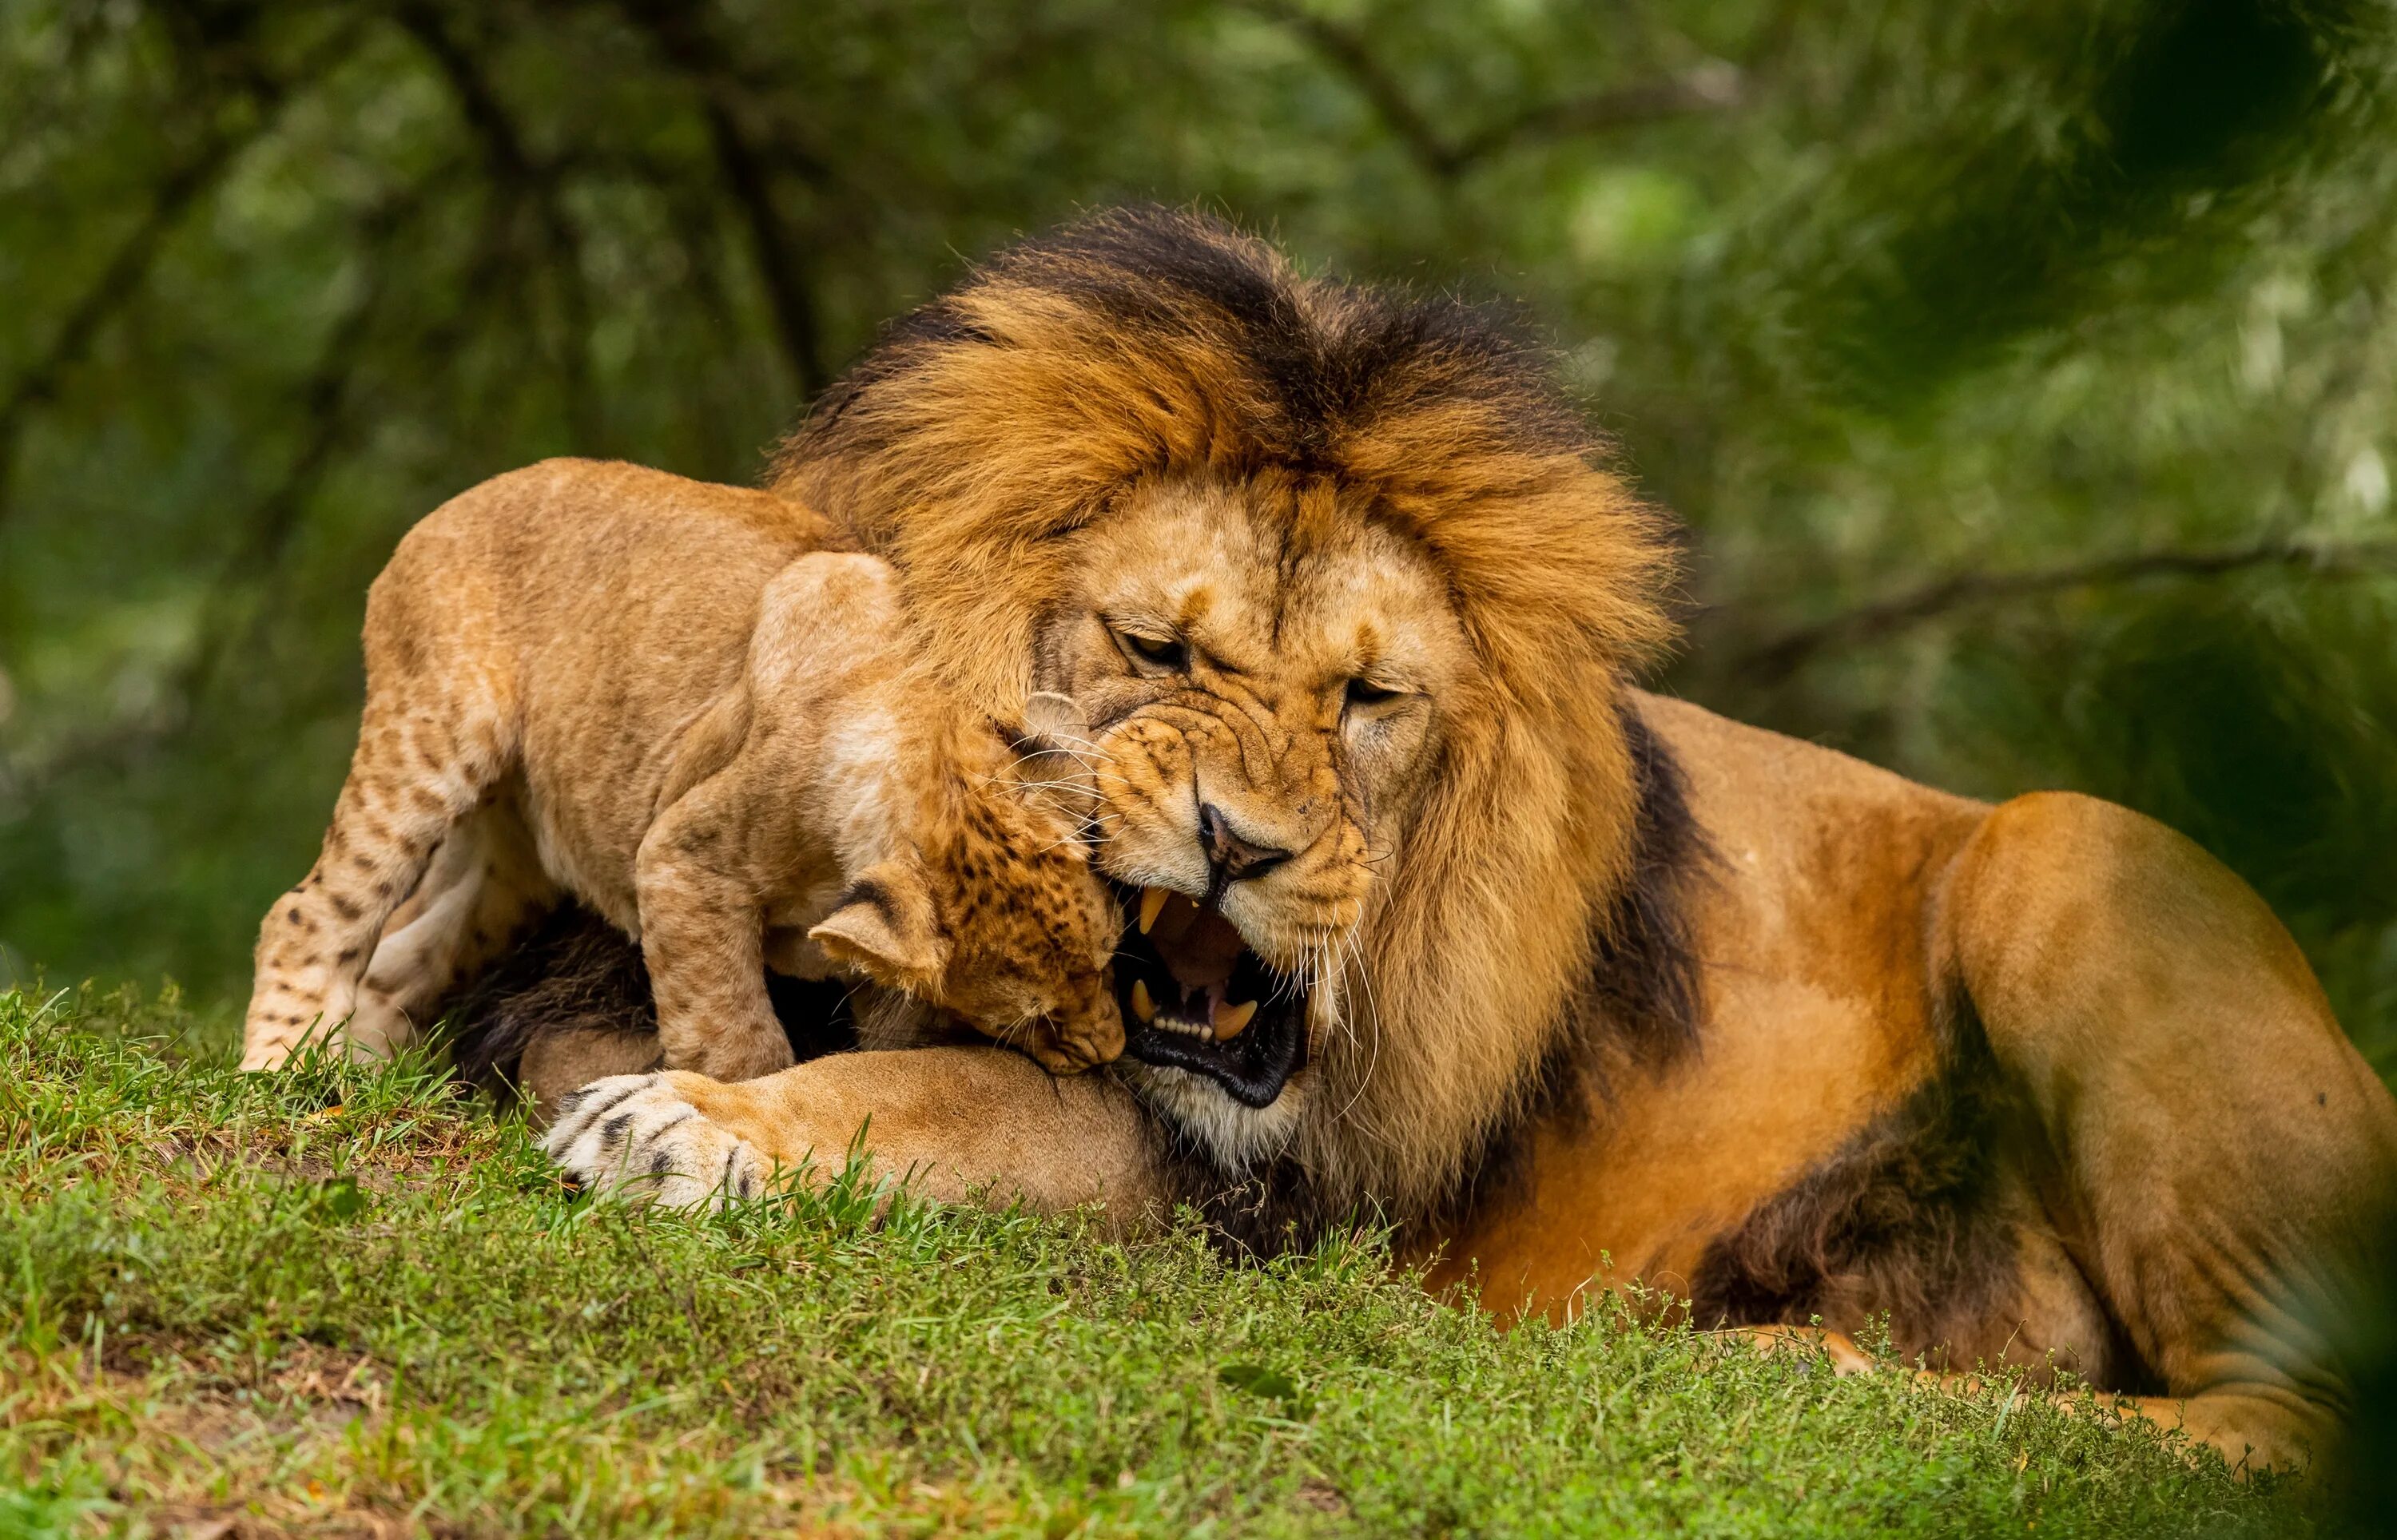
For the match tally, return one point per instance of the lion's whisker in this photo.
(1051, 786)
(1373, 1063)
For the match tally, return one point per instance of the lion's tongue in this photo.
(1199, 945)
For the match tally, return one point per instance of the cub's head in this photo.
(1347, 599)
(997, 918)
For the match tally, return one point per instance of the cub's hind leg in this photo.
(487, 886)
(431, 743)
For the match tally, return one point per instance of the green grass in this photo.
(342, 1301)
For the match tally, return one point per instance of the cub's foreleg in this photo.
(430, 744)
(703, 938)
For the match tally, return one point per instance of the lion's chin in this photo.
(1196, 999)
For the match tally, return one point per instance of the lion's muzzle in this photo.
(1241, 868)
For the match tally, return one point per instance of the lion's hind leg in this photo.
(2246, 1429)
(2214, 1153)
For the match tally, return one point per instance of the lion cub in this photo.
(663, 697)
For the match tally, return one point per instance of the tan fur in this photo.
(658, 696)
(1072, 452)
(2193, 1153)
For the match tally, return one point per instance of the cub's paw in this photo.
(635, 1137)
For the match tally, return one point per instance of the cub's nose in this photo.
(1230, 857)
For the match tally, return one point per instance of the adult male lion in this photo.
(1575, 983)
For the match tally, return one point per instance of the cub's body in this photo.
(665, 699)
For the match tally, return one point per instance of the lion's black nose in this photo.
(1231, 856)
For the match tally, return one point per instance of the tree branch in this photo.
(477, 101)
(123, 278)
(748, 171)
(1380, 88)
(781, 265)
(1709, 87)
(1782, 656)
(519, 172)
(325, 420)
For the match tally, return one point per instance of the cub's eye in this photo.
(1162, 652)
(1364, 692)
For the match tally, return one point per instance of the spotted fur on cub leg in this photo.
(485, 890)
(432, 743)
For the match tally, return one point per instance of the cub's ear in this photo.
(885, 927)
(1054, 763)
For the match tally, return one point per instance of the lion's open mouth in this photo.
(1195, 998)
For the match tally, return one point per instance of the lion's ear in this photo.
(1054, 760)
(884, 925)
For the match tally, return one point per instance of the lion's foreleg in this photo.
(956, 1124)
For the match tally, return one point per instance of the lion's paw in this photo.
(635, 1137)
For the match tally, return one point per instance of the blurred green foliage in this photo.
(2025, 370)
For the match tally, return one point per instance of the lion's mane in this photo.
(1527, 935)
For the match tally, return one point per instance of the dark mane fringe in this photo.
(1639, 1011)
(574, 971)
(1153, 274)
(1644, 996)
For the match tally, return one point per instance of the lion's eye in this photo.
(1364, 692)
(1164, 652)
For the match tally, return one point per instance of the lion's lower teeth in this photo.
(1231, 1020)
(1202, 1014)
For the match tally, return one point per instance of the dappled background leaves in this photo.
(2023, 370)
